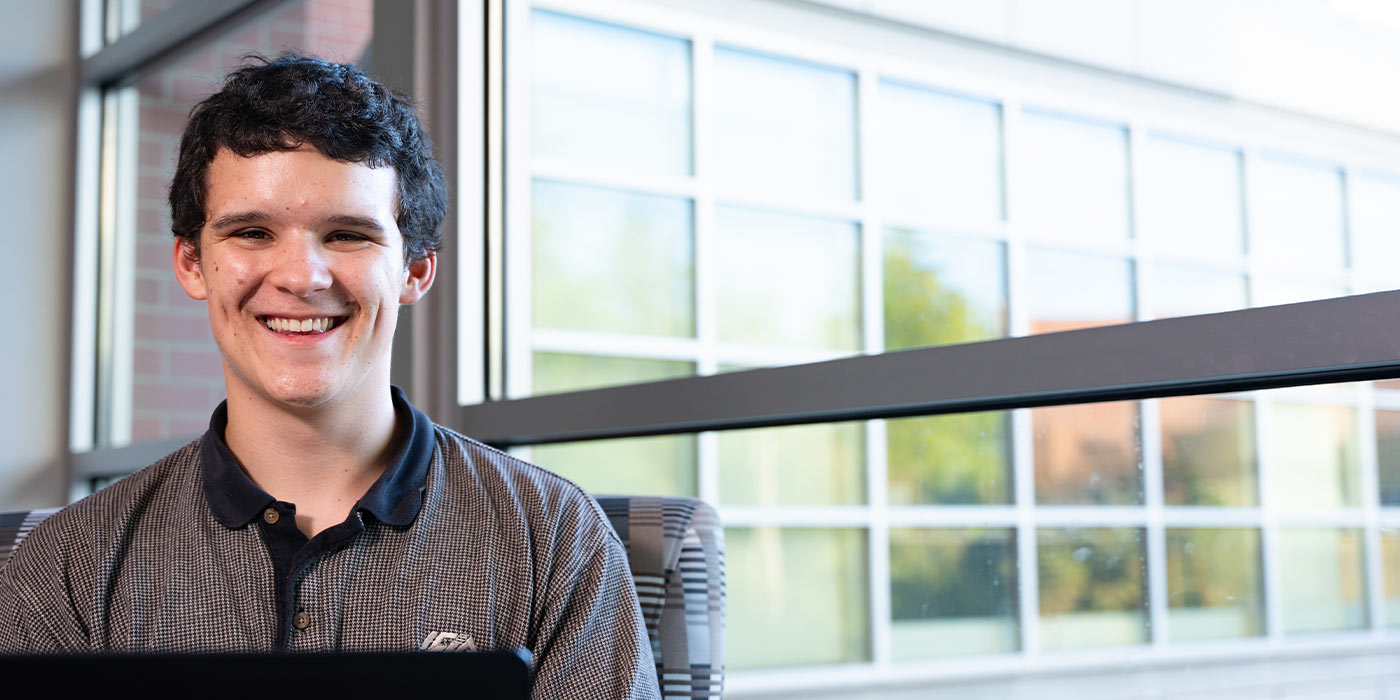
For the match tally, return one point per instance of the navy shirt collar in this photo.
(394, 499)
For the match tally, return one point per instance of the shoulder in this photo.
(539, 495)
(79, 542)
(158, 491)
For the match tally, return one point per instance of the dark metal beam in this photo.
(1347, 339)
(123, 460)
(167, 35)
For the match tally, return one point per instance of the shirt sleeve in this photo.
(592, 643)
(36, 616)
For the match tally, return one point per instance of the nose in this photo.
(301, 267)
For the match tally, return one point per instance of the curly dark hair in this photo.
(292, 101)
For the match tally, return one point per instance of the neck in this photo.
(321, 458)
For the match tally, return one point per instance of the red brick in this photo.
(163, 397)
(147, 429)
(148, 361)
(152, 256)
(188, 90)
(175, 296)
(293, 13)
(153, 87)
(153, 222)
(161, 119)
(157, 326)
(191, 426)
(153, 154)
(286, 39)
(152, 188)
(150, 291)
(196, 364)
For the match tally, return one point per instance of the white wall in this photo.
(1338, 59)
(37, 88)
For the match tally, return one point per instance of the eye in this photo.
(349, 240)
(251, 234)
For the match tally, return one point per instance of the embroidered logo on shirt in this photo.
(447, 641)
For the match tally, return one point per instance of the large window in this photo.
(695, 197)
(707, 234)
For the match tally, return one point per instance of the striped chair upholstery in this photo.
(14, 527)
(676, 549)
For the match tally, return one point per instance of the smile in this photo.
(304, 325)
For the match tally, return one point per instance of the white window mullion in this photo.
(1269, 533)
(1370, 504)
(1028, 582)
(1156, 527)
(873, 334)
(518, 298)
(703, 210)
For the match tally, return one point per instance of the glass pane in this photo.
(648, 466)
(1388, 455)
(941, 290)
(556, 372)
(1323, 575)
(1273, 292)
(959, 459)
(1375, 227)
(176, 375)
(1208, 454)
(784, 127)
(606, 260)
(121, 17)
(797, 465)
(1215, 586)
(1298, 221)
(940, 155)
(1184, 291)
(1074, 183)
(1191, 201)
(953, 591)
(1068, 291)
(1390, 555)
(797, 596)
(604, 96)
(787, 280)
(1089, 454)
(1315, 456)
(1093, 587)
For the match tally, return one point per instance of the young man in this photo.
(321, 511)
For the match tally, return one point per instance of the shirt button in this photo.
(270, 516)
(301, 620)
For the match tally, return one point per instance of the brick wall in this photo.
(177, 373)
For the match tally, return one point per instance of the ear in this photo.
(419, 278)
(187, 269)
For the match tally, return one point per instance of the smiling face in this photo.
(302, 266)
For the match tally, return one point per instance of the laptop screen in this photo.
(491, 674)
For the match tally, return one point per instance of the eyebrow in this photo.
(257, 217)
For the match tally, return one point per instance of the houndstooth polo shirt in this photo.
(456, 546)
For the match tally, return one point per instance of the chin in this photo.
(300, 392)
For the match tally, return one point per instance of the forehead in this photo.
(299, 183)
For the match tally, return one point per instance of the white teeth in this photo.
(291, 325)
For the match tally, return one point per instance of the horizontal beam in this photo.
(1352, 338)
(123, 460)
(166, 35)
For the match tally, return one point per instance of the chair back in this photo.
(675, 547)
